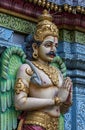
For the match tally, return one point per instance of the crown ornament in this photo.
(45, 27)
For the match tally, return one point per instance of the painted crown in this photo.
(45, 27)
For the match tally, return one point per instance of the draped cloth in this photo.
(38, 121)
(32, 127)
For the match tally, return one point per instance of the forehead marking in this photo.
(54, 39)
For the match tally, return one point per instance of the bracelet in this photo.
(57, 101)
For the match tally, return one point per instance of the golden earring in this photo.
(35, 55)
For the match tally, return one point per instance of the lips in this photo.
(51, 54)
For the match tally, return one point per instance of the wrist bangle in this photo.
(57, 101)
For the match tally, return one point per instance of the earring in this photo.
(35, 55)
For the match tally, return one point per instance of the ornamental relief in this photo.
(16, 24)
(27, 27)
(80, 113)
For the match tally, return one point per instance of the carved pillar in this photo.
(72, 50)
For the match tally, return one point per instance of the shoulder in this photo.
(23, 69)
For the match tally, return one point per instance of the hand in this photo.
(65, 90)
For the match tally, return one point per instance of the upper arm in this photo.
(23, 79)
(22, 84)
(23, 73)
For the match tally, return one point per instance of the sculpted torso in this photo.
(46, 91)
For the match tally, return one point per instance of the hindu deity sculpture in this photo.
(41, 91)
(30, 85)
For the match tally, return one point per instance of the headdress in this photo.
(45, 27)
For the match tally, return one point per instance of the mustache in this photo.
(51, 53)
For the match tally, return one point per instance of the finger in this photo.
(67, 86)
(68, 80)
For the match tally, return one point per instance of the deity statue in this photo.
(41, 91)
(30, 85)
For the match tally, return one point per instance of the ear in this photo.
(35, 46)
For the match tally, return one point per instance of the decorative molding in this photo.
(76, 73)
(6, 11)
(28, 11)
(24, 26)
(70, 21)
(69, 2)
(69, 6)
(73, 61)
(20, 8)
(75, 48)
(72, 36)
(61, 6)
(17, 24)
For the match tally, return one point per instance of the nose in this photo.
(53, 48)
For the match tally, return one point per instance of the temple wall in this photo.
(73, 53)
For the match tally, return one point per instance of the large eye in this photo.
(48, 44)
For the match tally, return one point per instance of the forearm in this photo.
(29, 103)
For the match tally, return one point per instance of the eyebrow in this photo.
(48, 40)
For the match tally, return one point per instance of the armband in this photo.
(20, 86)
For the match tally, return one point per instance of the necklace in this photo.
(51, 71)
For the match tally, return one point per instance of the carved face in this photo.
(47, 50)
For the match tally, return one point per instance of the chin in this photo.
(50, 59)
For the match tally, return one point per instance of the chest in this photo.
(48, 89)
(43, 92)
(50, 77)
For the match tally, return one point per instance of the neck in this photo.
(43, 62)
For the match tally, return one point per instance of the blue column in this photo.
(74, 56)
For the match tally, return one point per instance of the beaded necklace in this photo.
(51, 71)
